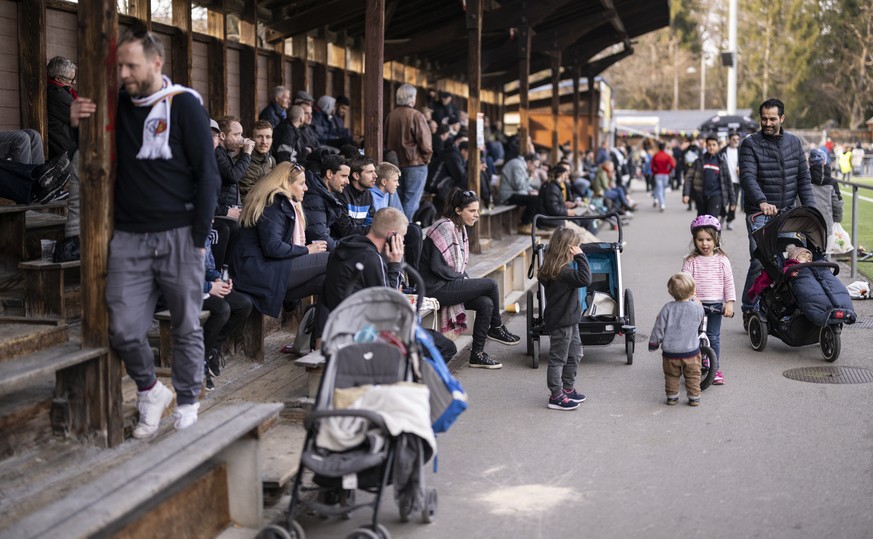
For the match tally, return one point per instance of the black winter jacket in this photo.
(343, 279)
(551, 203)
(324, 212)
(773, 169)
(231, 173)
(694, 182)
(563, 306)
(61, 136)
(262, 260)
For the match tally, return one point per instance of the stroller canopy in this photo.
(381, 307)
(801, 225)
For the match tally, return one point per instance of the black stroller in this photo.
(799, 308)
(354, 440)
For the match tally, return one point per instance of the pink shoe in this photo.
(718, 380)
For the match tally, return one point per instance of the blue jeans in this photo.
(411, 187)
(755, 267)
(661, 181)
(713, 331)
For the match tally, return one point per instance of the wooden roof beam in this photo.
(311, 19)
(616, 22)
(499, 20)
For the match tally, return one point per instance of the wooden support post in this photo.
(248, 92)
(142, 10)
(474, 85)
(182, 44)
(96, 385)
(32, 61)
(556, 103)
(300, 69)
(275, 71)
(593, 129)
(217, 59)
(576, 157)
(524, 35)
(374, 52)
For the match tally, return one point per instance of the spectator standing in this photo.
(165, 195)
(709, 182)
(261, 160)
(731, 154)
(407, 134)
(828, 199)
(663, 165)
(773, 174)
(277, 110)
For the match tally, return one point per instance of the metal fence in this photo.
(855, 187)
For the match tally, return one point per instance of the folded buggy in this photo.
(806, 304)
(607, 307)
(371, 422)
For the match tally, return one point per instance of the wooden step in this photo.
(212, 463)
(19, 339)
(15, 373)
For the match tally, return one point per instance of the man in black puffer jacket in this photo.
(773, 175)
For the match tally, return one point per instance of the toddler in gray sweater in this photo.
(676, 333)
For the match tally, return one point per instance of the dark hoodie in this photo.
(343, 278)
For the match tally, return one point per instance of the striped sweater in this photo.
(714, 277)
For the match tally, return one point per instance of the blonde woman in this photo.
(272, 262)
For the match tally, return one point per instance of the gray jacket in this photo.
(514, 179)
(676, 330)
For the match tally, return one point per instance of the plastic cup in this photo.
(48, 249)
(513, 308)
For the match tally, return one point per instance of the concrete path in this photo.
(763, 456)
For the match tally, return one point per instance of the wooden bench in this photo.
(498, 221)
(211, 469)
(52, 289)
(508, 266)
(73, 401)
(165, 329)
(13, 240)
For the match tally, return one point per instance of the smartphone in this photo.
(389, 241)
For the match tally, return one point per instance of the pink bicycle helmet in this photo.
(702, 221)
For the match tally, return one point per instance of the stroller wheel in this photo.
(757, 332)
(277, 532)
(428, 514)
(530, 321)
(535, 355)
(829, 341)
(363, 533)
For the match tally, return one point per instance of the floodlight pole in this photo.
(732, 70)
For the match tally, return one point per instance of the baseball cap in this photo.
(214, 125)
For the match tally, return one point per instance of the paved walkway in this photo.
(764, 456)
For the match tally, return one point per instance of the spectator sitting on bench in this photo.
(445, 253)
(261, 160)
(22, 146)
(604, 186)
(385, 191)
(380, 253)
(272, 262)
(515, 178)
(325, 212)
(228, 310)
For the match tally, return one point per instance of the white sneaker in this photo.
(151, 405)
(185, 415)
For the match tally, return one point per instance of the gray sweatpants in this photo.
(565, 352)
(71, 228)
(141, 266)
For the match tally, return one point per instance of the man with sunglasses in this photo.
(166, 187)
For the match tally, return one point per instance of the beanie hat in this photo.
(795, 250)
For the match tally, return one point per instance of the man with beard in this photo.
(165, 193)
(773, 174)
(261, 160)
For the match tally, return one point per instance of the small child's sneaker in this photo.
(561, 402)
(672, 401)
(718, 380)
(185, 415)
(692, 401)
(574, 395)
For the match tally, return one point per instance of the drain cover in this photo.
(863, 322)
(831, 375)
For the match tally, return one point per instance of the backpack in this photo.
(426, 214)
(448, 400)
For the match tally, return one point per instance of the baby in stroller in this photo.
(818, 292)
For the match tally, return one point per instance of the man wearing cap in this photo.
(407, 133)
(277, 110)
(302, 97)
(216, 133)
(445, 108)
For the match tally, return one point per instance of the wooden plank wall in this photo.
(200, 69)
(264, 87)
(167, 40)
(10, 105)
(60, 35)
(233, 81)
